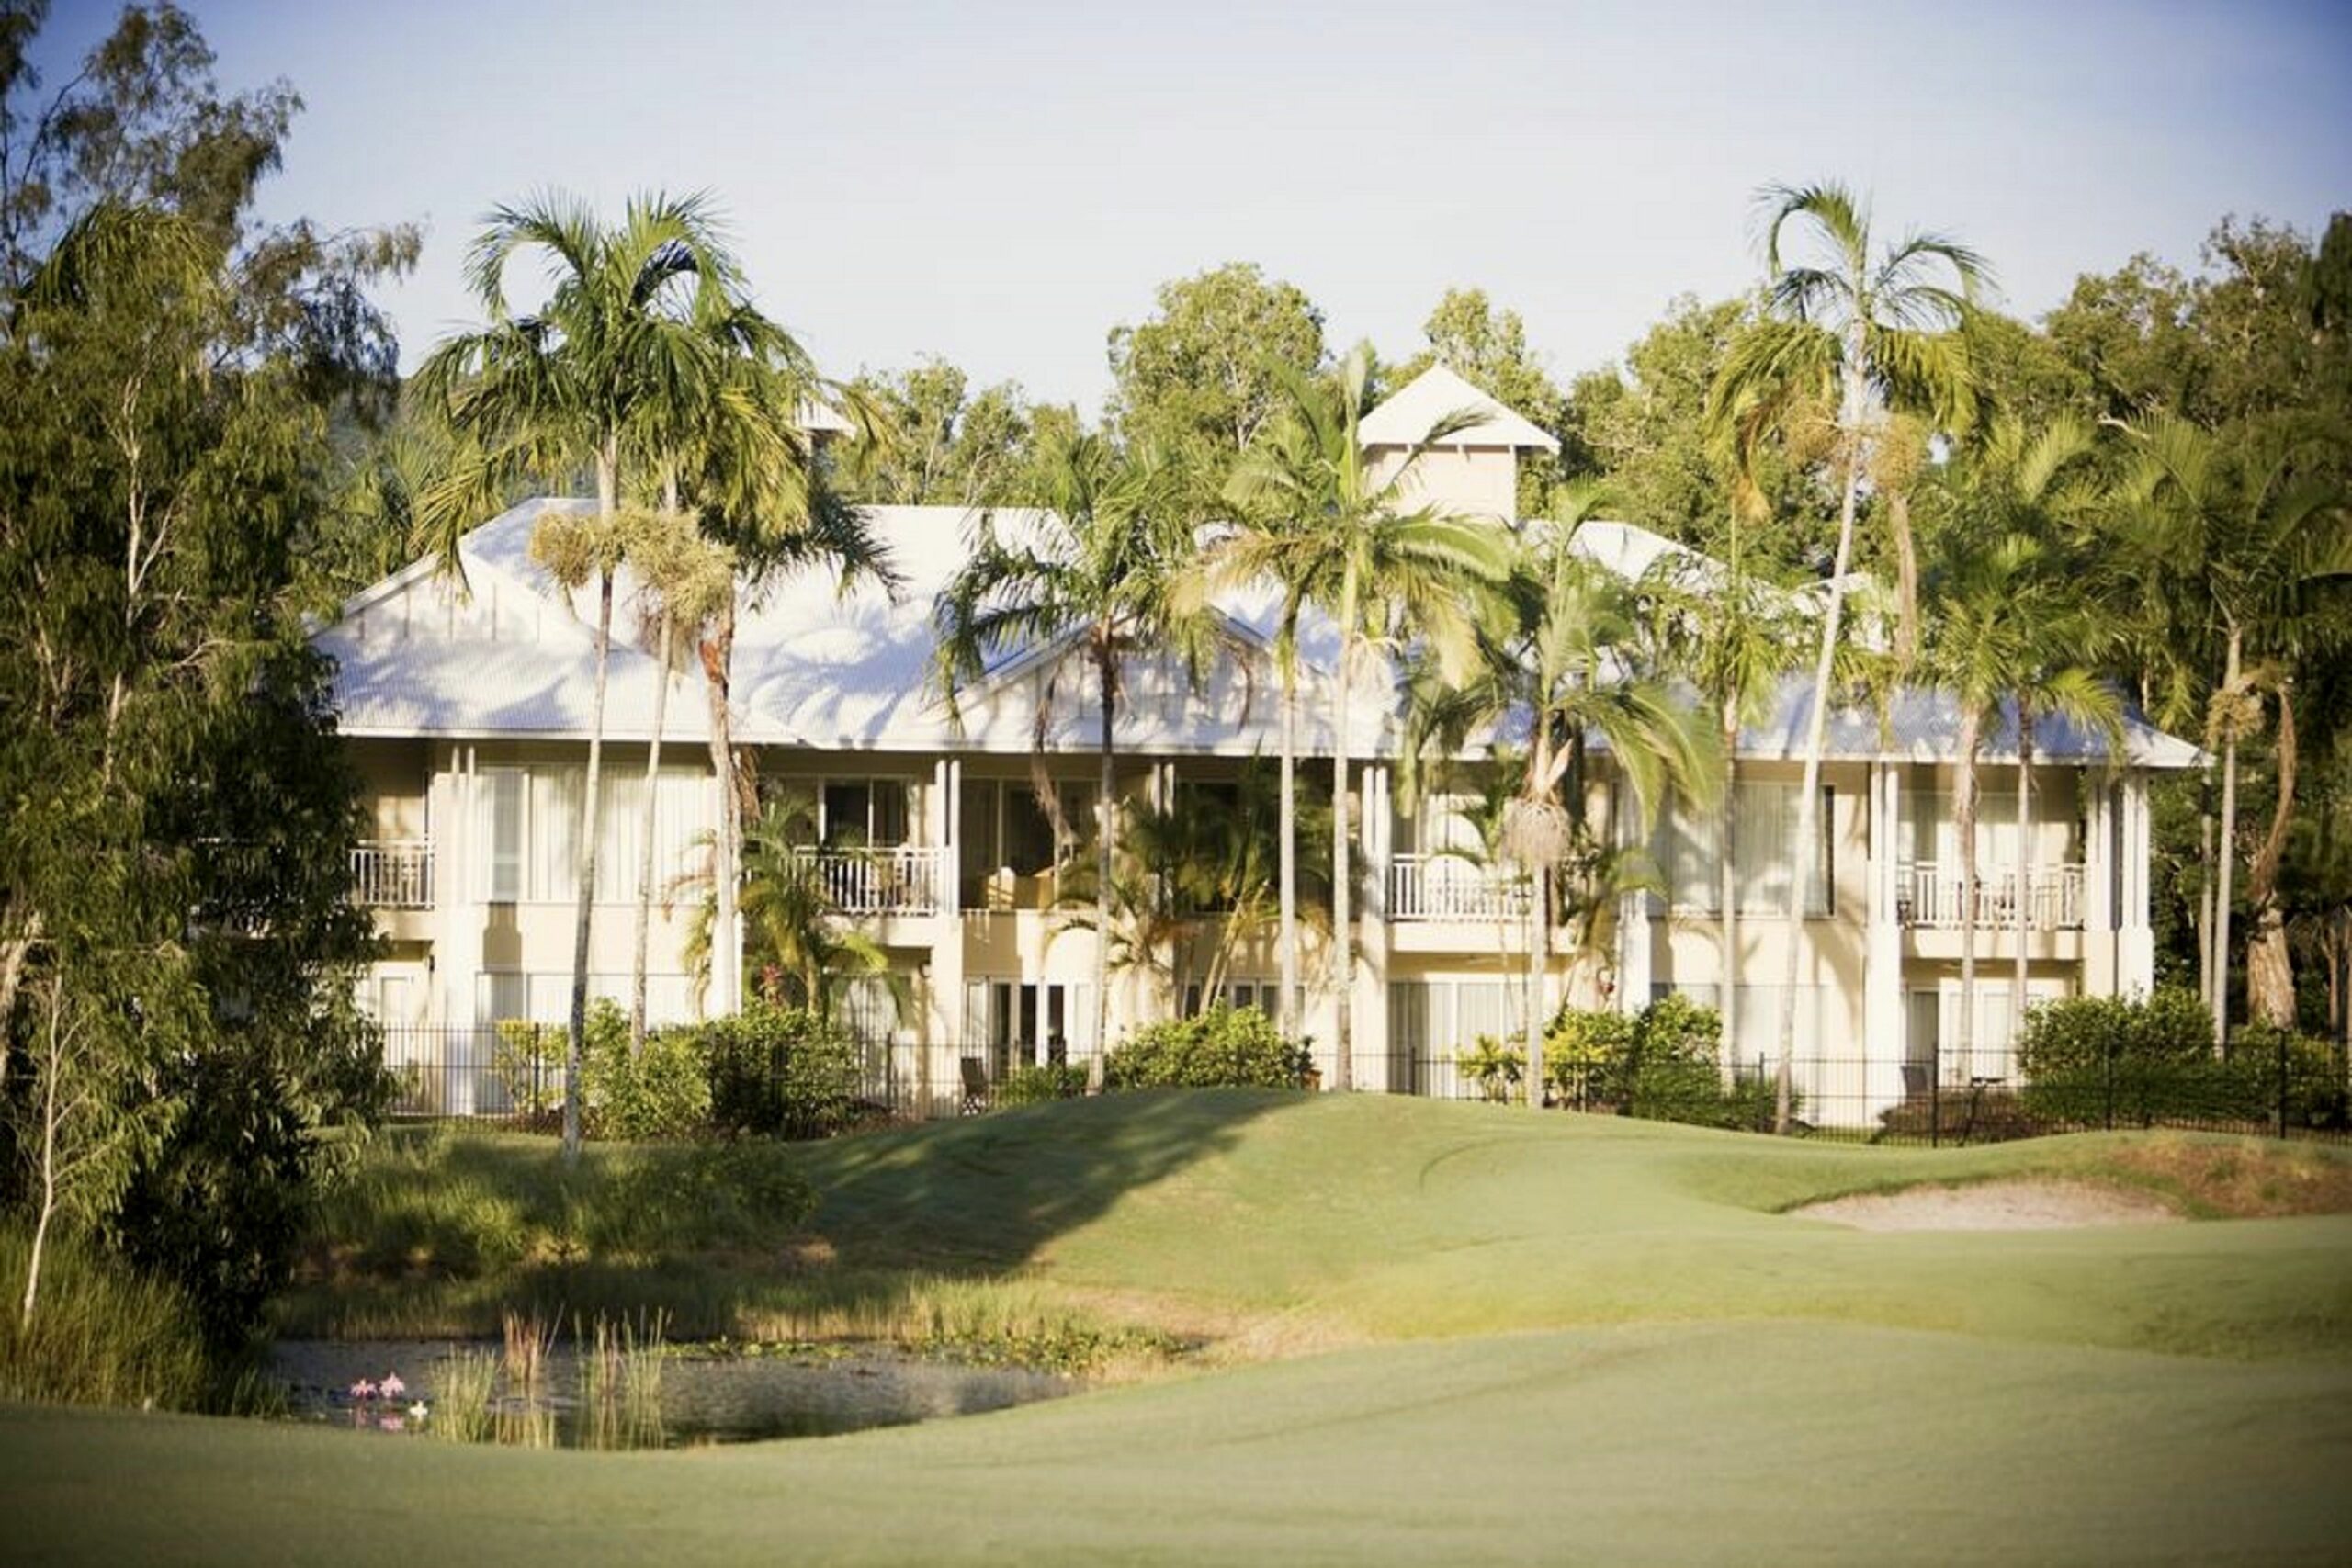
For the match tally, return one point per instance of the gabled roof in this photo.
(1438, 393)
(852, 669)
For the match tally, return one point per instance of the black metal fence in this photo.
(2278, 1088)
(2281, 1089)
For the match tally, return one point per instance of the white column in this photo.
(1375, 832)
(1883, 1033)
(1634, 938)
(2098, 883)
(2135, 943)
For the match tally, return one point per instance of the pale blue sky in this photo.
(1002, 183)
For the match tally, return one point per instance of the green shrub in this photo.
(1033, 1085)
(1662, 1064)
(1497, 1069)
(1222, 1048)
(2133, 1062)
(663, 1091)
(1585, 1054)
(529, 1062)
(780, 1072)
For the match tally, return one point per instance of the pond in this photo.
(633, 1396)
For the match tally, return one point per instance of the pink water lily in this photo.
(363, 1390)
(392, 1387)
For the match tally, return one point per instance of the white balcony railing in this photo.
(1448, 887)
(903, 881)
(392, 874)
(1932, 894)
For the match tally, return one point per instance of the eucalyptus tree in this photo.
(1083, 581)
(1342, 538)
(1850, 339)
(1558, 669)
(1733, 636)
(638, 325)
(2237, 551)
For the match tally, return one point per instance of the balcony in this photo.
(1931, 895)
(903, 881)
(1448, 887)
(392, 874)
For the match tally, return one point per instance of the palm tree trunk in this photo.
(1964, 812)
(2269, 971)
(2227, 851)
(645, 850)
(2204, 915)
(2025, 867)
(588, 801)
(1539, 954)
(1343, 939)
(1107, 675)
(1728, 889)
(717, 652)
(1817, 741)
(1287, 940)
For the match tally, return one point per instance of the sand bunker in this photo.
(1992, 1206)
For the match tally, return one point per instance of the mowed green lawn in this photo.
(1446, 1334)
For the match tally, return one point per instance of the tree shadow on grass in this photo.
(907, 1219)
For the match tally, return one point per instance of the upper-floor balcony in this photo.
(1933, 894)
(1454, 887)
(392, 874)
(904, 880)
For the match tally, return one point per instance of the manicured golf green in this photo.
(1446, 1334)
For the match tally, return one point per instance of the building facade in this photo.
(466, 705)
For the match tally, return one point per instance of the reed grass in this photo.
(466, 1387)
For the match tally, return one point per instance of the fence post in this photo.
(2284, 1035)
(1936, 1097)
(2107, 1056)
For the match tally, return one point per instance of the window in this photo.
(863, 813)
(1766, 827)
(1017, 1023)
(528, 822)
(1004, 826)
(507, 788)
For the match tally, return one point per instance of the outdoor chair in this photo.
(976, 1087)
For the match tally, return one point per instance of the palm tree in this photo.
(1085, 582)
(2230, 546)
(1556, 664)
(765, 495)
(1255, 550)
(1862, 336)
(1977, 651)
(623, 340)
(683, 579)
(1383, 574)
(1734, 638)
(793, 928)
(2032, 484)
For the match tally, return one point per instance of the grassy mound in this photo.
(1270, 1223)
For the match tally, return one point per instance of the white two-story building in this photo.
(467, 708)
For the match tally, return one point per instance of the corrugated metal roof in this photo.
(819, 667)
